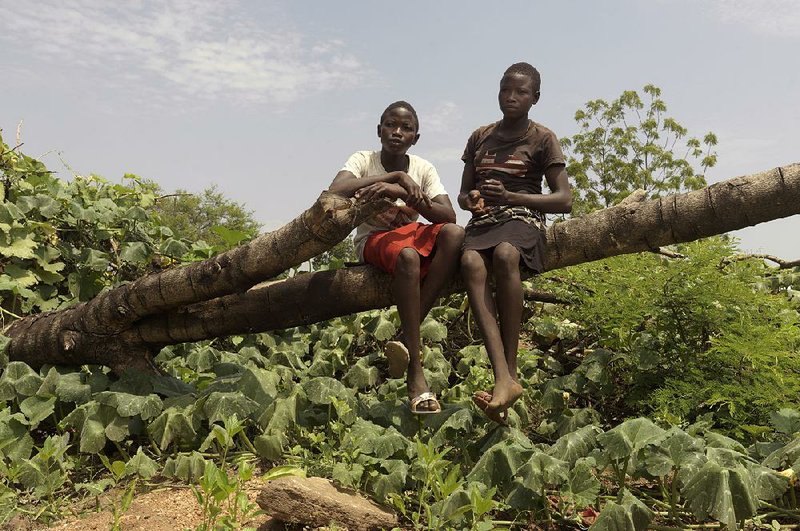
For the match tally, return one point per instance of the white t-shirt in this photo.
(368, 163)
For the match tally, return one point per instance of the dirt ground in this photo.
(160, 509)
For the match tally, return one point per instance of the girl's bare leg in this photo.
(475, 271)
(508, 285)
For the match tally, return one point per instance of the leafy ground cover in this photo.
(664, 395)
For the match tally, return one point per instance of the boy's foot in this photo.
(397, 355)
(425, 404)
(482, 399)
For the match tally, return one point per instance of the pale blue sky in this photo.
(268, 99)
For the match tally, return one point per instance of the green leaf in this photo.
(582, 486)
(173, 425)
(575, 445)
(231, 237)
(500, 463)
(629, 437)
(322, 389)
(19, 248)
(221, 406)
(128, 405)
(36, 409)
(542, 470)
(188, 468)
(433, 330)
(283, 471)
(724, 493)
(677, 450)
(18, 380)
(786, 421)
(630, 515)
(141, 465)
(134, 252)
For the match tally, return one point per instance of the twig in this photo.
(666, 252)
(782, 264)
(538, 295)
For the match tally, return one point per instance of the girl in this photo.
(504, 163)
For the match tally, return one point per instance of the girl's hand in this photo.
(475, 203)
(415, 197)
(380, 190)
(493, 192)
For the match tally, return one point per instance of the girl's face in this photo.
(516, 95)
(398, 131)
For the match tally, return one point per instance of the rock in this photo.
(318, 502)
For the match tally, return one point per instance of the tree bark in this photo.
(122, 327)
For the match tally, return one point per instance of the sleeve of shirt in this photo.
(551, 151)
(469, 151)
(432, 183)
(357, 164)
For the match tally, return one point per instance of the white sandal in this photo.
(423, 398)
(396, 354)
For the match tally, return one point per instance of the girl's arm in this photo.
(469, 198)
(558, 201)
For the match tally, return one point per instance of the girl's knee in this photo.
(505, 257)
(471, 262)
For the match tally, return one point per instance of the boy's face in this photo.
(398, 131)
(517, 95)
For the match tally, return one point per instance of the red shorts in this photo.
(382, 248)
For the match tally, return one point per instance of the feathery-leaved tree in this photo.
(629, 143)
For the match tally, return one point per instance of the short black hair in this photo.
(526, 70)
(404, 105)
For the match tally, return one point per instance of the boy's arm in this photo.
(439, 211)
(347, 184)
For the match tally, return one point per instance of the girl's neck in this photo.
(513, 127)
(392, 162)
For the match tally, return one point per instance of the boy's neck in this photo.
(393, 162)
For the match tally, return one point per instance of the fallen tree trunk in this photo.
(313, 297)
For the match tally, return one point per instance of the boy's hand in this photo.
(380, 190)
(415, 197)
(475, 203)
(494, 192)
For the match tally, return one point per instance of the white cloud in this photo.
(197, 48)
(780, 18)
(441, 119)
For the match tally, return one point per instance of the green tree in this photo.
(208, 216)
(629, 144)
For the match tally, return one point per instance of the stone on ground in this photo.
(317, 502)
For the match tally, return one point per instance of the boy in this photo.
(420, 257)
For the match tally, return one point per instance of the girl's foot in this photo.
(482, 400)
(503, 396)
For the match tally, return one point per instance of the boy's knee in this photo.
(452, 234)
(407, 262)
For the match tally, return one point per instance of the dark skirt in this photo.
(528, 239)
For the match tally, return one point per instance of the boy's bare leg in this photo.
(508, 285)
(406, 292)
(475, 271)
(443, 266)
